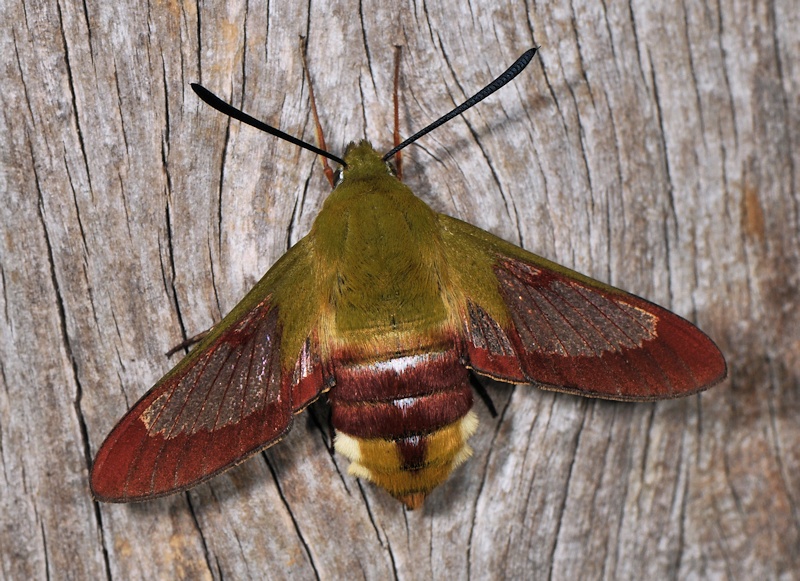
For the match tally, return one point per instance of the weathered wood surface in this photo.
(656, 148)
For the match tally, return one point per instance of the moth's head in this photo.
(362, 161)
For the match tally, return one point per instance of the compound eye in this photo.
(338, 176)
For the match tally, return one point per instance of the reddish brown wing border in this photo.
(224, 402)
(572, 337)
(566, 332)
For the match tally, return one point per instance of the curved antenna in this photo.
(503, 79)
(228, 109)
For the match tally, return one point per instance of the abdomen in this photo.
(404, 420)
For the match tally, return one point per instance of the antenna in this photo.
(499, 82)
(228, 109)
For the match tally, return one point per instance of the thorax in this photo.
(380, 256)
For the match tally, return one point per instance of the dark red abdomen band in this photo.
(403, 421)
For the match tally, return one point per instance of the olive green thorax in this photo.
(380, 252)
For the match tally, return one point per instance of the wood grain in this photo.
(655, 146)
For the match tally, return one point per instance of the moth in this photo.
(389, 307)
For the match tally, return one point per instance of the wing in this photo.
(233, 395)
(527, 319)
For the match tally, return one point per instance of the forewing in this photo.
(231, 396)
(530, 320)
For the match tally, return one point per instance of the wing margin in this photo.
(569, 332)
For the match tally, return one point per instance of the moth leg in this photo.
(326, 168)
(318, 415)
(188, 342)
(480, 389)
(331, 429)
(398, 158)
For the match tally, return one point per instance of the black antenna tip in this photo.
(200, 90)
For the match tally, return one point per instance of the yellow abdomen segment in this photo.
(383, 461)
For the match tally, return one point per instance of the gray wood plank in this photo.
(651, 145)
